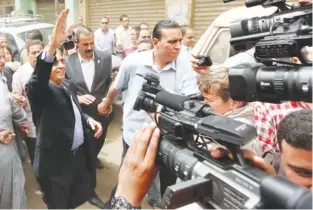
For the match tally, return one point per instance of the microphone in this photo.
(171, 100)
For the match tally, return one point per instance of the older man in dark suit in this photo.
(90, 71)
(64, 162)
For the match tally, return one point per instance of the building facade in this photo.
(200, 12)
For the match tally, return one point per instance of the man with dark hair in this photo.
(144, 34)
(295, 143)
(19, 81)
(90, 71)
(144, 26)
(165, 61)
(188, 38)
(122, 34)
(64, 160)
(34, 35)
(104, 36)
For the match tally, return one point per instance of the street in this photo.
(106, 178)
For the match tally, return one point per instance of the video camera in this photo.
(188, 127)
(281, 36)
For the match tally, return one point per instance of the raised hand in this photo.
(59, 34)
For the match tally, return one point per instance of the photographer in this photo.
(175, 73)
(214, 88)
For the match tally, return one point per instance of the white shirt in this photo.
(88, 68)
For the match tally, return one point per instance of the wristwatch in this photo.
(120, 202)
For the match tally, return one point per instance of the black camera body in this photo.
(188, 126)
(279, 37)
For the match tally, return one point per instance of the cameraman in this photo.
(166, 61)
(214, 88)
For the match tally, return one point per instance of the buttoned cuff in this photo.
(46, 57)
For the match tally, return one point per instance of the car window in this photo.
(221, 46)
(46, 34)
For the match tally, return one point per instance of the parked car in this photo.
(215, 41)
(17, 28)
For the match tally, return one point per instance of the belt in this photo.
(77, 151)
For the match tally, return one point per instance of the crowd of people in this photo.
(59, 102)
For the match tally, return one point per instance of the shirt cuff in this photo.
(46, 57)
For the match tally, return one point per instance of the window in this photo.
(46, 34)
(221, 46)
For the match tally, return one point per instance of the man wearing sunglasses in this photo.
(104, 36)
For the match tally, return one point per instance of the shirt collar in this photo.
(81, 60)
(149, 61)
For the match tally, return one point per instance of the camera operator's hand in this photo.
(217, 152)
(138, 169)
(203, 70)
(86, 99)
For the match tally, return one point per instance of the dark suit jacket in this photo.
(8, 73)
(54, 118)
(101, 82)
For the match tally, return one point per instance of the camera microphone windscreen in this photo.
(171, 100)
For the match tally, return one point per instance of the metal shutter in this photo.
(47, 9)
(150, 11)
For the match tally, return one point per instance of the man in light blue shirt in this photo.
(166, 60)
(104, 36)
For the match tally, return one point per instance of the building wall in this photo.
(149, 11)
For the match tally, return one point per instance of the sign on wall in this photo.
(179, 10)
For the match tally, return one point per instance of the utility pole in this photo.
(56, 8)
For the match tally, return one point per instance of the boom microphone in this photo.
(171, 100)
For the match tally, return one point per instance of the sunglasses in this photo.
(105, 23)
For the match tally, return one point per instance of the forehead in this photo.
(125, 18)
(104, 19)
(296, 156)
(144, 32)
(189, 30)
(86, 37)
(171, 33)
(3, 38)
(35, 47)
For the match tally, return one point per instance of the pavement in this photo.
(110, 155)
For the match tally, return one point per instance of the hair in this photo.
(105, 17)
(35, 35)
(296, 130)
(137, 29)
(82, 30)
(3, 35)
(163, 24)
(10, 51)
(143, 23)
(35, 42)
(184, 29)
(122, 17)
(218, 77)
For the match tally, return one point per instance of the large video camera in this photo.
(188, 127)
(281, 36)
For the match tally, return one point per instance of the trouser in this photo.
(31, 146)
(105, 122)
(70, 189)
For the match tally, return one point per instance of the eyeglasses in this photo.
(105, 23)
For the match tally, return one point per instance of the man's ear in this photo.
(155, 42)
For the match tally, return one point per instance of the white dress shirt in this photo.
(88, 68)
